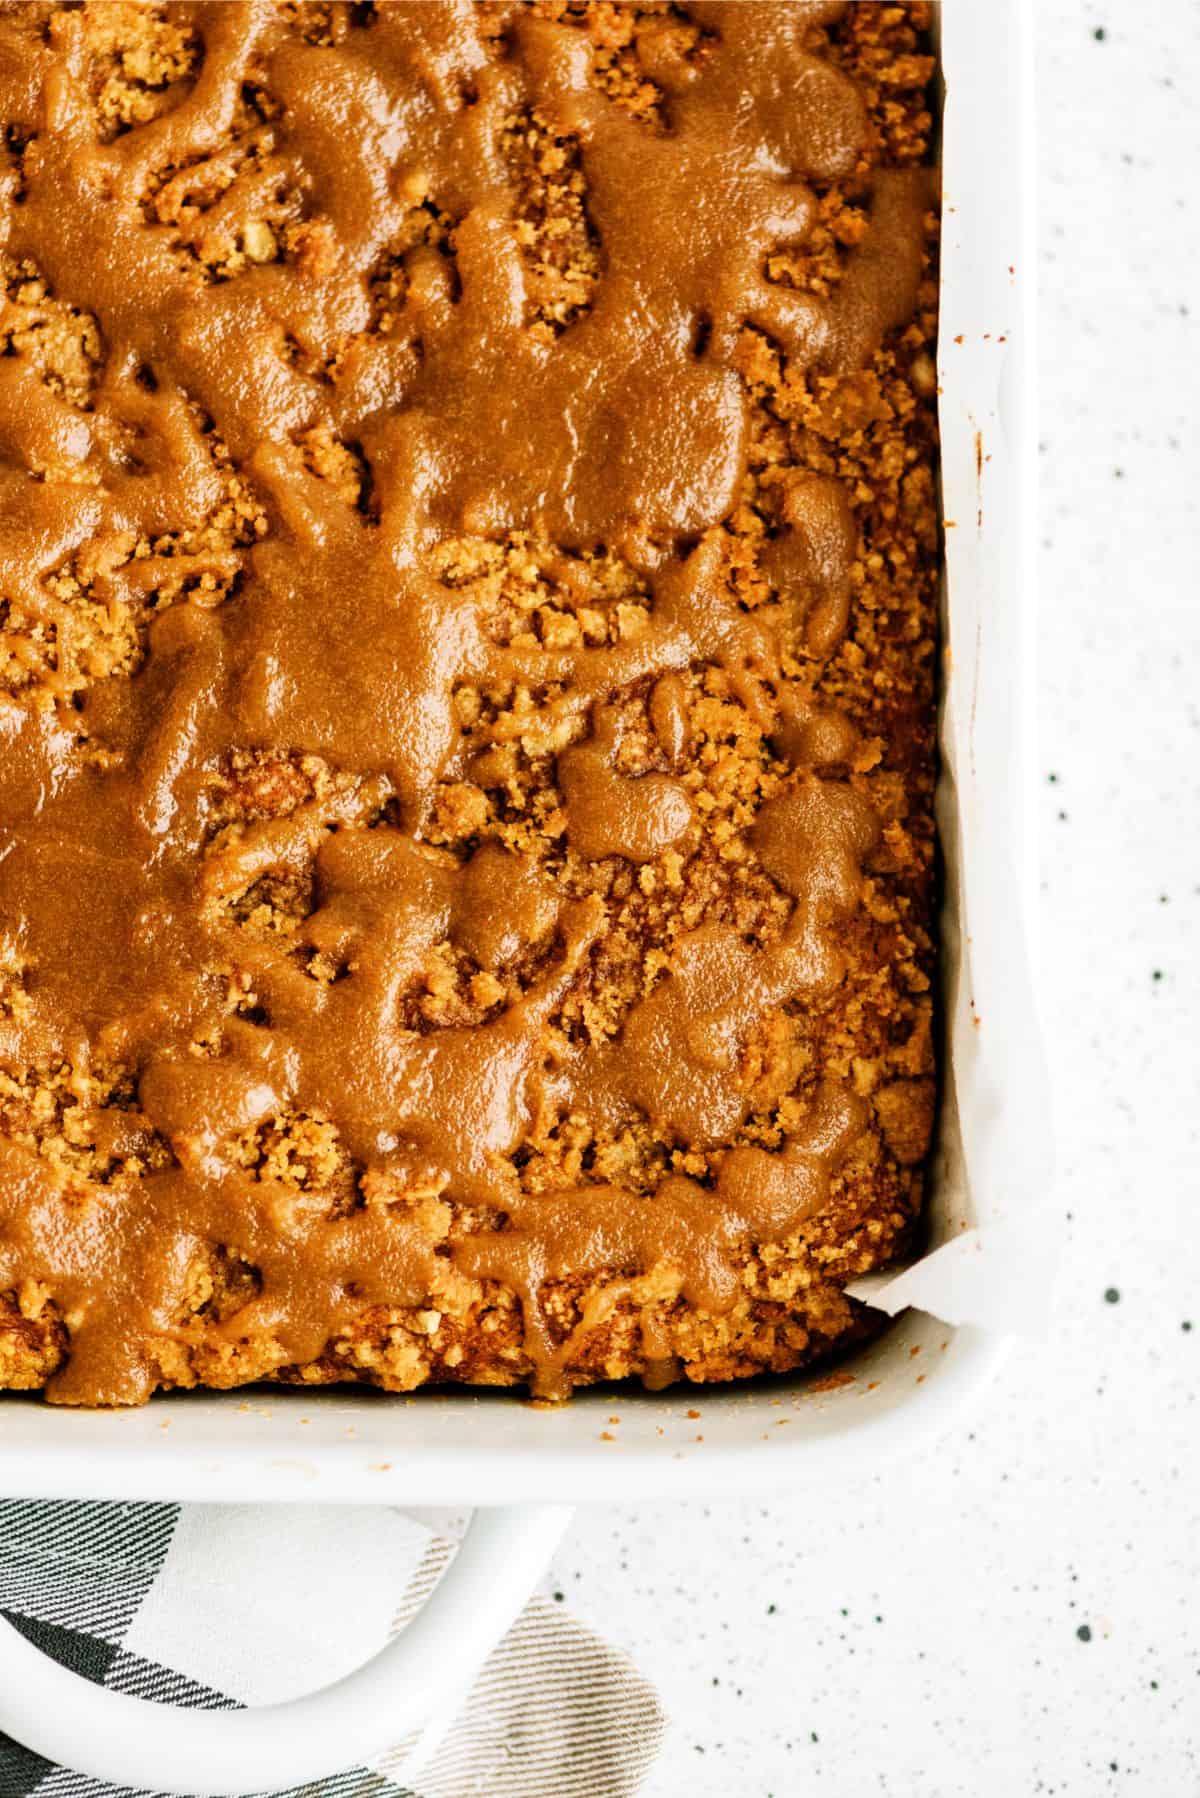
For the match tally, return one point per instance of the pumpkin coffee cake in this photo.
(467, 622)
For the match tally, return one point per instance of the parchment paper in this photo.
(994, 1228)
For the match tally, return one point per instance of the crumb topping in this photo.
(467, 655)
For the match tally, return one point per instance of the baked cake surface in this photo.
(468, 561)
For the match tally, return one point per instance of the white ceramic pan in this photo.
(527, 1464)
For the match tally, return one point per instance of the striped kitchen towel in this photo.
(226, 1605)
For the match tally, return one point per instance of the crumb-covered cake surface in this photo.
(468, 562)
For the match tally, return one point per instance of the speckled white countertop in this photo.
(1020, 1613)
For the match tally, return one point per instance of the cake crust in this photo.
(467, 631)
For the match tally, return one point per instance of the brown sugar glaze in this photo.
(465, 695)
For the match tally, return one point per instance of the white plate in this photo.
(464, 1448)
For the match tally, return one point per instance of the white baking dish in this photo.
(494, 1450)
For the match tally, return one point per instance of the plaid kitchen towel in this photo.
(226, 1605)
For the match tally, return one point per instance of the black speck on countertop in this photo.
(1084, 1632)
